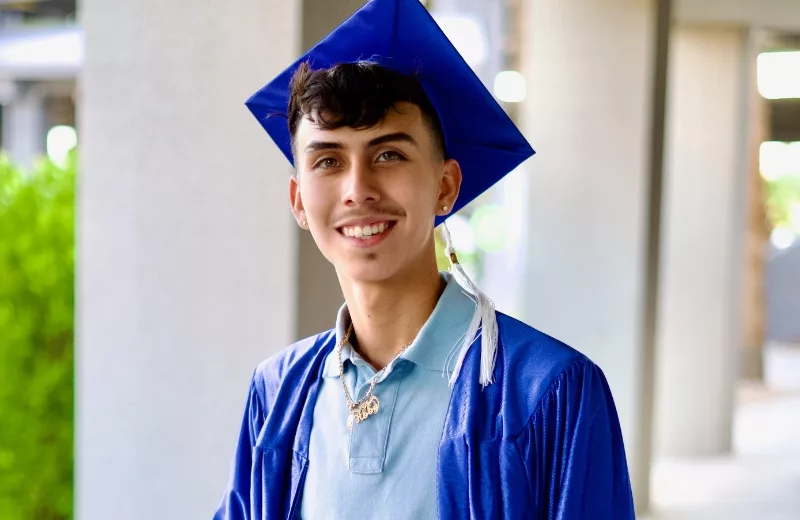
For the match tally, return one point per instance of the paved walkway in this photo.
(761, 481)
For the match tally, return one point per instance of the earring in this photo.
(445, 208)
(304, 224)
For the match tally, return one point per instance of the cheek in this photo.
(316, 198)
(418, 196)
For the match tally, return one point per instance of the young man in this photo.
(407, 409)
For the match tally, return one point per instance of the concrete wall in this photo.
(186, 247)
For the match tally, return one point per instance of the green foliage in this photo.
(470, 261)
(36, 341)
(782, 194)
(441, 259)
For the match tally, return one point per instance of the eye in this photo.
(390, 156)
(326, 163)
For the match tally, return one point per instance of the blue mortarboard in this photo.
(402, 35)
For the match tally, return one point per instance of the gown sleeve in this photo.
(573, 450)
(235, 503)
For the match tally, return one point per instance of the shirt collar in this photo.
(331, 368)
(437, 340)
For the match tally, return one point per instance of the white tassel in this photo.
(484, 321)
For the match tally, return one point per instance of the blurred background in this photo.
(148, 259)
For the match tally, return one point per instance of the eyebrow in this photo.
(392, 138)
(316, 146)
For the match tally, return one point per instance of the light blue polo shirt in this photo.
(386, 467)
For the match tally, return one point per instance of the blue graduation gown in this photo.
(542, 442)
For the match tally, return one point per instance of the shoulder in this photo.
(292, 365)
(536, 366)
(531, 352)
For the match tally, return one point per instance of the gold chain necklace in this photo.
(368, 405)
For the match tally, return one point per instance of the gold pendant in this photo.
(363, 411)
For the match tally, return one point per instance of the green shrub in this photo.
(782, 196)
(36, 341)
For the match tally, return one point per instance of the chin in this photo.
(369, 270)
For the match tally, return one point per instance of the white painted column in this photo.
(590, 72)
(186, 247)
(23, 124)
(703, 230)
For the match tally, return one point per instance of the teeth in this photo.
(365, 232)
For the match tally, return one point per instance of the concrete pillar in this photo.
(591, 113)
(23, 125)
(704, 219)
(186, 247)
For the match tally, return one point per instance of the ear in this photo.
(449, 186)
(296, 202)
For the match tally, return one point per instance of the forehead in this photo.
(405, 117)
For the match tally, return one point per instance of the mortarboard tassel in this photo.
(484, 321)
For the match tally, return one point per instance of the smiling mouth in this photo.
(367, 232)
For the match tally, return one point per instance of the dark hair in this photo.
(356, 95)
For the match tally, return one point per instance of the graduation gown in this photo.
(541, 442)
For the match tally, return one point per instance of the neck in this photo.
(388, 315)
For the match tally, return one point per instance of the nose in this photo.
(360, 187)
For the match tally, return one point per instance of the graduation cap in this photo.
(402, 36)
